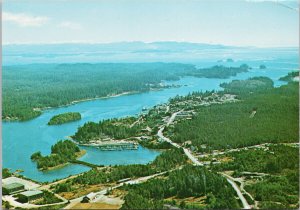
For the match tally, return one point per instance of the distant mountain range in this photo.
(169, 46)
(167, 51)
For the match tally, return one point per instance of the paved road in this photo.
(160, 135)
(192, 157)
(160, 131)
(198, 163)
(95, 196)
(14, 203)
(186, 151)
(238, 191)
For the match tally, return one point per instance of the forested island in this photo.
(61, 153)
(262, 66)
(64, 118)
(28, 89)
(221, 72)
(253, 84)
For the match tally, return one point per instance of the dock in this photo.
(114, 145)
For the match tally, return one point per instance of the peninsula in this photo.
(61, 153)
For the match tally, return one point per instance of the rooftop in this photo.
(29, 185)
(13, 185)
(31, 193)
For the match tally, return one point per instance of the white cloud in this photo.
(70, 25)
(24, 20)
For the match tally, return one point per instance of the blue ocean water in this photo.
(21, 139)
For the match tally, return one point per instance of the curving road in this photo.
(238, 191)
(94, 196)
(198, 163)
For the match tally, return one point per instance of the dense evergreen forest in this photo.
(274, 160)
(290, 76)
(27, 89)
(49, 85)
(257, 84)
(259, 117)
(61, 152)
(116, 128)
(279, 189)
(213, 190)
(221, 72)
(64, 118)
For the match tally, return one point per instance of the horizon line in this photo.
(145, 42)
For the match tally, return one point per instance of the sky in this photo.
(261, 23)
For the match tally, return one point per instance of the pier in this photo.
(113, 145)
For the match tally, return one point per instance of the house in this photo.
(85, 199)
(30, 195)
(12, 188)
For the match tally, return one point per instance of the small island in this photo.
(249, 85)
(219, 71)
(64, 118)
(62, 153)
(262, 66)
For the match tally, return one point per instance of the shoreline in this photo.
(84, 100)
(78, 155)
(16, 119)
(102, 97)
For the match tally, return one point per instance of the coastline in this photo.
(102, 97)
(16, 119)
(78, 155)
(109, 96)
(84, 100)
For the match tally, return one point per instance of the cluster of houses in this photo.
(214, 98)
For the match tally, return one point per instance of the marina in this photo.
(113, 145)
(21, 139)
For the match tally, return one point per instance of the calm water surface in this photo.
(21, 139)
